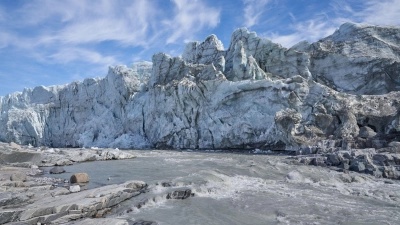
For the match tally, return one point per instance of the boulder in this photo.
(180, 194)
(74, 188)
(144, 222)
(334, 159)
(319, 161)
(57, 170)
(167, 184)
(294, 176)
(63, 162)
(390, 172)
(18, 177)
(356, 165)
(373, 170)
(79, 178)
(381, 158)
(136, 185)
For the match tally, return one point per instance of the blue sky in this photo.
(49, 42)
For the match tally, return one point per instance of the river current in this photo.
(231, 188)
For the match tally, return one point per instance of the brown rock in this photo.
(79, 178)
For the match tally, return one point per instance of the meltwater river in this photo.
(232, 188)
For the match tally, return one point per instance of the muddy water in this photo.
(245, 189)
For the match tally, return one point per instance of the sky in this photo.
(50, 42)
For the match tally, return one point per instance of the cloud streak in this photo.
(190, 17)
(76, 24)
(82, 22)
(310, 30)
(253, 9)
(324, 23)
(66, 55)
(381, 12)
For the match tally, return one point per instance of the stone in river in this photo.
(79, 178)
(57, 170)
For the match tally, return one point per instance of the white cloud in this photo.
(253, 10)
(310, 30)
(377, 12)
(66, 55)
(285, 40)
(35, 12)
(314, 29)
(381, 12)
(191, 17)
(92, 21)
(341, 6)
(76, 23)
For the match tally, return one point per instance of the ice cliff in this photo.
(341, 90)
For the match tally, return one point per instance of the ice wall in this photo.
(255, 94)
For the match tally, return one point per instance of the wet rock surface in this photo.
(144, 222)
(377, 162)
(45, 204)
(57, 170)
(180, 194)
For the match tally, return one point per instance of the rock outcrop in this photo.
(339, 92)
(44, 204)
(29, 157)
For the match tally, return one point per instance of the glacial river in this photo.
(252, 189)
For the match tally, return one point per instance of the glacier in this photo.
(341, 91)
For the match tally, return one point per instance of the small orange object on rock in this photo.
(79, 178)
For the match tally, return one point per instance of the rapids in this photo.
(231, 188)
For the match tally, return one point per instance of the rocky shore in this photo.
(379, 162)
(26, 198)
(25, 156)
